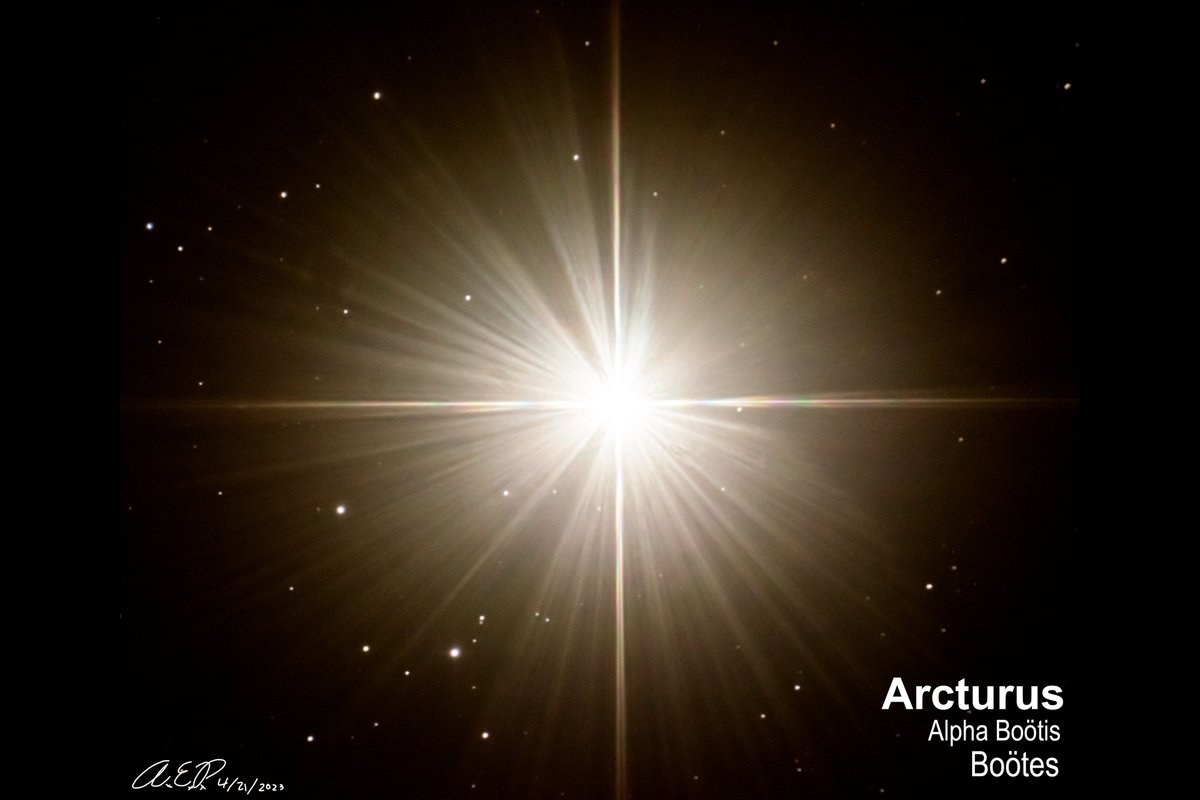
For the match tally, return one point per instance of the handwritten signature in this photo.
(183, 777)
(192, 775)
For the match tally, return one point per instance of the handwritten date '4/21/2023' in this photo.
(194, 774)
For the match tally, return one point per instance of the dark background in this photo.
(852, 199)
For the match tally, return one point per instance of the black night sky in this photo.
(382, 433)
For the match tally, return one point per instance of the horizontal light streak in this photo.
(435, 406)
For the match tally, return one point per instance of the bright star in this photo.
(618, 405)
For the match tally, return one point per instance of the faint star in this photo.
(455, 652)
(341, 509)
(377, 95)
(149, 226)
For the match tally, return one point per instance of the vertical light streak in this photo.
(619, 529)
(615, 376)
(616, 379)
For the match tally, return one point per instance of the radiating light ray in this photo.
(618, 378)
(867, 402)
(619, 560)
(492, 406)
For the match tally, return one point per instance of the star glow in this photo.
(618, 405)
